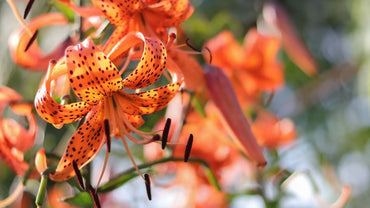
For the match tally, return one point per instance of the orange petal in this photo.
(271, 131)
(276, 17)
(168, 13)
(150, 67)
(91, 74)
(15, 163)
(116, 36)
(53, 112)
(190, 68)
(33, 58)
(226, 51)
(149, 101)
(118, 12)
(82, 147)
(222, 94)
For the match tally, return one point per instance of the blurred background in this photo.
(330, 109)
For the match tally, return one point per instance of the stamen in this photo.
(107, 134)
(127, 61)
(147, 185)
(130, 126)
(156, 137)
(210, 54)
(94, 196)
(18, 16)
(171, 39)
(78, 175)
(103, 169)
(123, 132)
(188, 148)
(28, 8)
(191, 46)
(33, 38)
(165, 133)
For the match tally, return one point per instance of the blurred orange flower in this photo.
(252, 68)
(271, 131)
(14, 138)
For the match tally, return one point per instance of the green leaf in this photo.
(82, 199)
(116, 182)
(68, 12)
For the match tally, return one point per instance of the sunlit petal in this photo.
(149, 101)
(83, 146)
(91, 74)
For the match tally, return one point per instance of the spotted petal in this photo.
(149, 101)
(150, 67)
(91, 74)
(83, 146)
(118, 12)
(55, 113)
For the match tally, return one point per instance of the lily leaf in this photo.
(82, 199)
(116, 182)
(68, 12)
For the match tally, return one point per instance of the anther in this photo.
(156, 138)
(165, 132)
(188, 148)
(78, 175)
(191, 46)
(94, 195)
(147, 185)
(28, 8)
(33, 38)
(107, 133)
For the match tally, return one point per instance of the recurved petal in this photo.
(118, 12)
(149, 101)
(83, 146)
(223, 95)
(150, 67)
(53, 112)
(34, 58)
(91, 73)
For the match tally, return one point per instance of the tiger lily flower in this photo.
(105, 99)
(252, 68)
(151, 17)
(15, 139)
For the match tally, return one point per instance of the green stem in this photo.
(42, 191)
(124, 175)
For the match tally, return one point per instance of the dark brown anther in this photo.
(78, 175)
(94, 195)
(33, 38)
(210, 54)
(188, 148)
(191, 46)
(28, 8)
(107, 133)
(147, 185)
(166, 130)
(156, 137)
